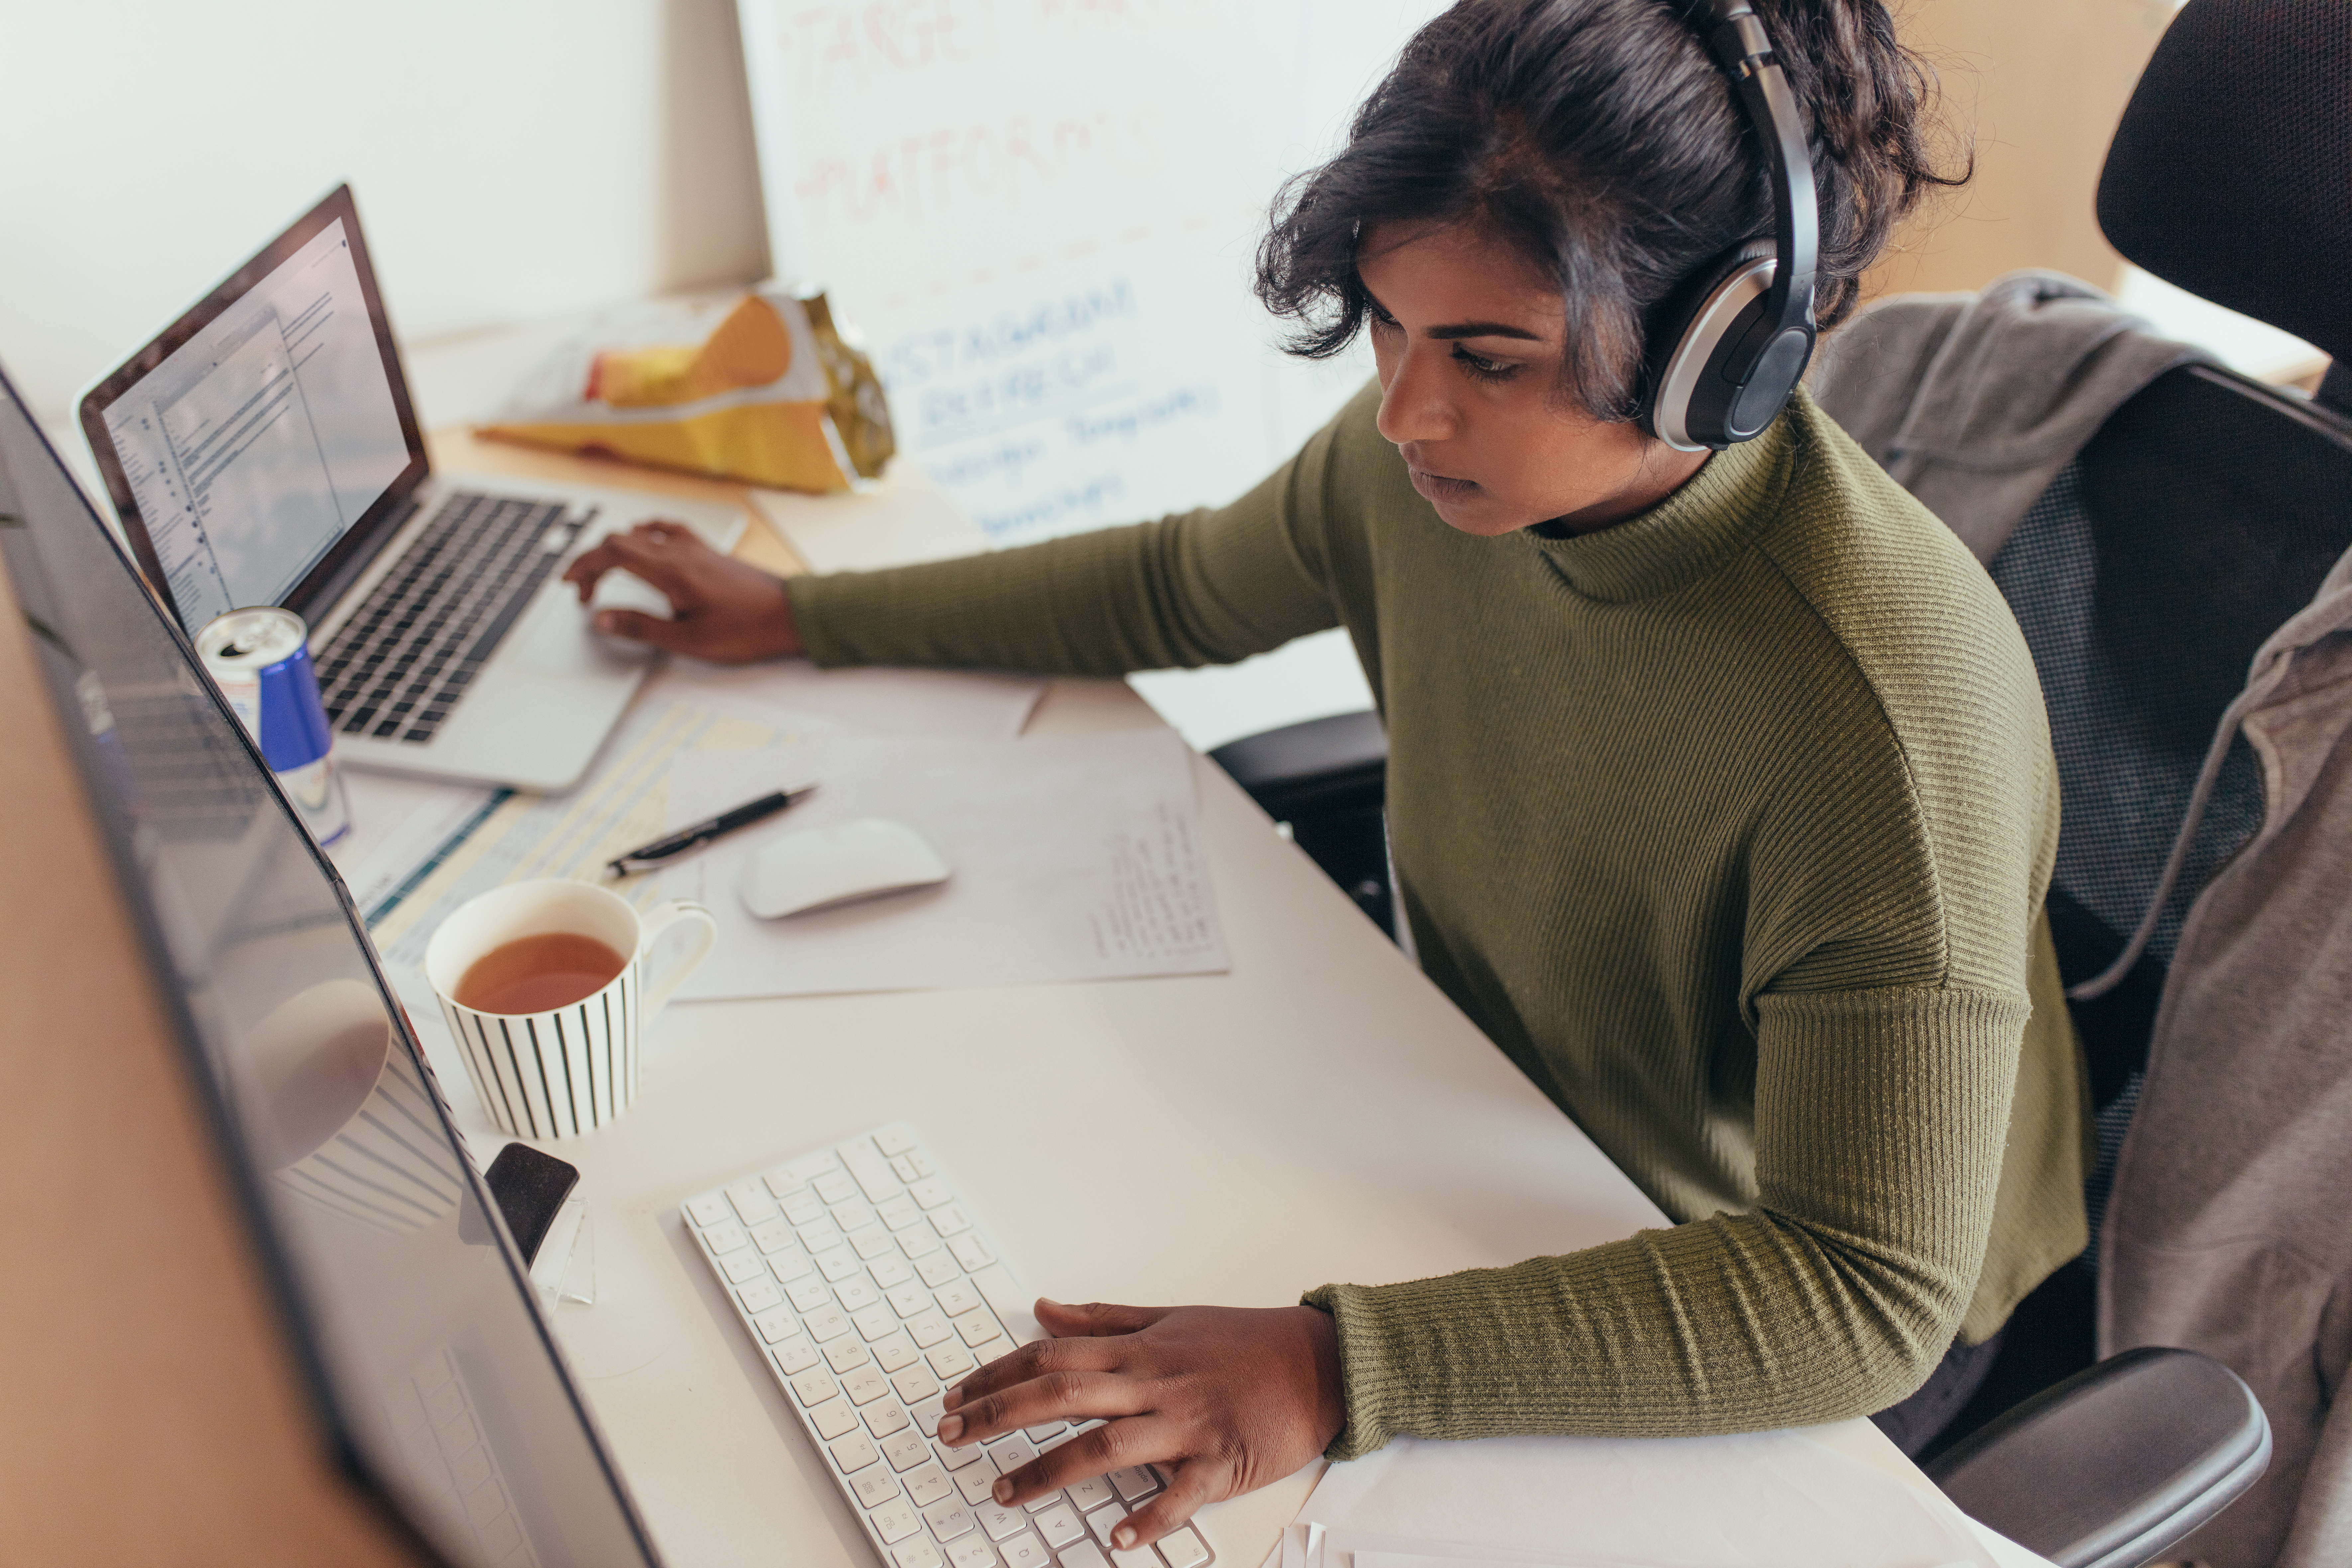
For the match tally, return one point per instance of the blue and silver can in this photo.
(260, 660)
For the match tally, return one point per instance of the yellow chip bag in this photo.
(763, 389)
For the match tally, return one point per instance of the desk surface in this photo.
(1320, 1113)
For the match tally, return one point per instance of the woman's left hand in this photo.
(1225, 1398)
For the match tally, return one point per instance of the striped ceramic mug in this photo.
(571, 1069)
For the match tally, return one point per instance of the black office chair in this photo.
(2203, 514)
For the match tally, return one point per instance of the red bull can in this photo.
(260, 660)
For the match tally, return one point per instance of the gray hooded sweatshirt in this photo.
(2224, 1232)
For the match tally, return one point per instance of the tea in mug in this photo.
(538, 974)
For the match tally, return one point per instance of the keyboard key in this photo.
(1039, 1433)
(872, 1172)
(795, 1354)
(774, 1326)
(974, 1471)
(865, 1385)
(938, 1269)
(904, 1168)
(931, 1193)
(928, 1328)
(894, 1141)
(1184, 1548)
(1011, 1453)
(803, 1208)
(821, 1237)
(928, 1412)
(709, 1209)
(1135, 1483)
(896, 1520)
(851, 1217)
(971, 1552)
(916, 1553)
(918, 1240)
(950, 1362)
(792, 1265)
(871, 1242)
(907, 1299)
(833, 1418)
(957, 1300)
(898, 1213)
(799, 1173)
(978, 1329)
(905, 1449)
(1105, 1519)
(743, 1265)
(761, 1295)
(1083, 1554)
(826, 1324)
(835, 1187)
(809, 1294)
(813, 1387)
(926, 1484)
(1053, 1442)
(883, 1418)
(845, 1353)
(891, 1272)
(854, 1294)
(836, 1265)
(1025, 1551)
(1010, 1302)
(1051, 1499)
(998, 1522)
(1091, 1494)
(896, 1350)
(875, 1485)
(1059, 1524)
(951, 1220)
(875, 1321)
(854, 1452)
(1141, 1557)
(950, 1519)
(752, 1204)
(915, 1384)
(773, 1236)
(969, 1252)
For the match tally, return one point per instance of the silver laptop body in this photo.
(263, 450)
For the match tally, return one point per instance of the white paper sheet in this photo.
(1074, 859)
(933, 703)
(1767, 1500)
(906, 519)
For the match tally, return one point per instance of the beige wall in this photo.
(2040, 85)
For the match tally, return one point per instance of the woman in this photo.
(1718, 785)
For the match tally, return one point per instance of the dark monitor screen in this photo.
(434, 1374)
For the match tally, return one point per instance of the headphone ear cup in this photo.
(1688, 403)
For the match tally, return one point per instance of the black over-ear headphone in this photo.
(1727, 349)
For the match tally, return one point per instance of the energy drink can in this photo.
(260, 660)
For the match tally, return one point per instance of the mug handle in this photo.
(656, 920)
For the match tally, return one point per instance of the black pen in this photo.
(645, 856)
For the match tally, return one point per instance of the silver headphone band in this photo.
(1748, 282)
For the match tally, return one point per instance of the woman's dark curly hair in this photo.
(1601, 140)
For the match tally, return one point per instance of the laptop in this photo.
(262, 450)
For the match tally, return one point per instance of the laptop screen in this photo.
(248, 445)
(437, 1379)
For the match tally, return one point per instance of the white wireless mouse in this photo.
(621, 589)
(817, 867)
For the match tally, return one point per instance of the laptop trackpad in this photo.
(554, 639)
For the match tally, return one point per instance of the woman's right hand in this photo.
(721, 609)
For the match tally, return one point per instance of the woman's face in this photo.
(1469, 337)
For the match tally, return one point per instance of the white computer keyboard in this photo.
(862, 1273)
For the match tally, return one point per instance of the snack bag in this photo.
(763, 390)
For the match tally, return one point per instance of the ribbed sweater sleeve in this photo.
(1834, 1296)
(1205, 587)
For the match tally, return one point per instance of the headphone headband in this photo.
(1731, 349)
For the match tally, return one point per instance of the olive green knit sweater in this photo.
(1730, 824)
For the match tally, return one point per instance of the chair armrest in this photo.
(1340, 764)
(2117, 1463)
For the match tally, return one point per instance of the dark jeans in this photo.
(1916, 1421)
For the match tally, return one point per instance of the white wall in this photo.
(513, 159)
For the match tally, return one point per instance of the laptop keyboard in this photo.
(395, 669)
(863, 1278)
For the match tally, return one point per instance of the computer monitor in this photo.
(436, 1378)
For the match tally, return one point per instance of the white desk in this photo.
(1321, 1112)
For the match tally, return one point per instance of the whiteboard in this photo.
(1041, 215)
